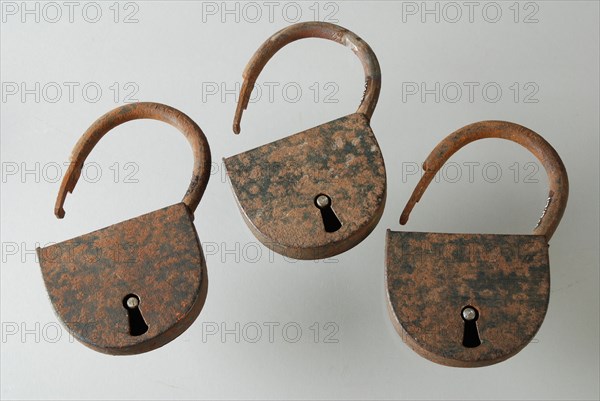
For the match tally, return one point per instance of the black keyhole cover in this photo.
(471, 335)
(330, 220)
(137, 325)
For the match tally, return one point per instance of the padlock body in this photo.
(275, 186)
(156, 256)
(431, 277)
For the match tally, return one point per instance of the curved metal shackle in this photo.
(323, 30)
(543, 151)
(136, 111)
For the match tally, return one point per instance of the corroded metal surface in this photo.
(431, 277)
(276, 186)
(323, 30)
(558, 181)
(134, 286)
(136, 111)
(156, 256)
(503, 279)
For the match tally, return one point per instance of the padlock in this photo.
(471, 300)
(319, 192)
(136, 285)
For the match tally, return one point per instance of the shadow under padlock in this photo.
(471, 300)
(136, 285)
(319, 192)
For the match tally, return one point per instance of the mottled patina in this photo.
(276, 185)
(154, 260)
(504, 279)
(431, 277)
(156, 256)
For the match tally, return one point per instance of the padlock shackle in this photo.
(543, 151)
(137, 111)
(323, 30)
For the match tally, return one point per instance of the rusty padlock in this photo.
(319, 192)
(472, 300)
(136, 285)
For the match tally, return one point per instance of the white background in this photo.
(178, 53)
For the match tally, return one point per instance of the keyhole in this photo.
(137, 325)
(471, 335)
(330, 220)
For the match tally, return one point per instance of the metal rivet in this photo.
(469, 313)
(132, 302)
(322, 201)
